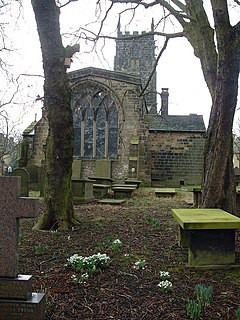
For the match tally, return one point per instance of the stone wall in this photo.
(135, 54)
(176, 158)
(41, 132)
(125, 91)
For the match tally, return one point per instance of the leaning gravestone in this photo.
(17, 301)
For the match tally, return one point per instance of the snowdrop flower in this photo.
(165, 285)
(164, 275)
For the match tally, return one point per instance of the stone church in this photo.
(118, 131)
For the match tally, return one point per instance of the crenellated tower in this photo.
(135, 54)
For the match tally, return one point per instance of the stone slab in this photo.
(31, 309)
(165, 192)
(124, 185)
(101, 186)
(123, 188)
(197, 219)
(76, 169)
(111, 201)
(103, 168)
(16, 288)
(133, 181)
(101, 180)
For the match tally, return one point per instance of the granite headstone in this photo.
(17, 301)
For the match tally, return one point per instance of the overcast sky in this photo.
(179, 70)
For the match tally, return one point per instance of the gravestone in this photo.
(42, 181)
(76, 169)
(103, 168)
(21, 172)
(17, 301)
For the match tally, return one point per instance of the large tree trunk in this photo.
(221, 70)
(59, 150)
(219, 179)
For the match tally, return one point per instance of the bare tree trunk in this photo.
(221, 70)
(219, 178)
(59, 150)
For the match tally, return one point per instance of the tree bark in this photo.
(59, 211)
(219, 179)
(221, 70)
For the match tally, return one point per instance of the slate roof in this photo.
(108, 74)
(192, 122)
(30, 129)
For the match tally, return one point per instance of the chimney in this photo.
(164, 98)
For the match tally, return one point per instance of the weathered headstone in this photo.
(21, 172)
(103, 168)
(76, 169)
(17, 302)
(42, 181)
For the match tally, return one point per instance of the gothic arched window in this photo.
(95, 119)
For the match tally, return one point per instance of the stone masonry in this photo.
(156, 148)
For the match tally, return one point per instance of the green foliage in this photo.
(193, 309)
(154, 222)
(204, 299)
(91, 264)
(83, 278)
(39, 249)
(105, 243)
(116, 245)
(238, 313)
(165, 284)
(204, 294)
(140, 264)
(164, 275)
(20, 238)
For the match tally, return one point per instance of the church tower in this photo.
(135, 54)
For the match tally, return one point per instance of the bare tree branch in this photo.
(11, 99)
(179, 15)
(155, 66)
(29, 75)
(69, 1)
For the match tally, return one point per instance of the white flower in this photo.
(164, 275)
(117, 241)
(165, 285)
(140, 264)
(84, 277)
